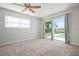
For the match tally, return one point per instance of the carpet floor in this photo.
(39, 47)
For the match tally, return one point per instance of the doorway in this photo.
(54, 29)
(58, 24)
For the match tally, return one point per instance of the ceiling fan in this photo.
(29, 7)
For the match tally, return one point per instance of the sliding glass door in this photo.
(59, 28)
(55, 28)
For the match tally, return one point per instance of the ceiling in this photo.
(45, 10)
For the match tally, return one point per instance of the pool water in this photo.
(60, 37)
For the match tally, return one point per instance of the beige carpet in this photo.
(39, 47)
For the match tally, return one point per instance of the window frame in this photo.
(19, 23)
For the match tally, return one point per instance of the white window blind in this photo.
(16, 22)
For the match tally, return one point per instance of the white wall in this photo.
(74, 26)
(17, 34)
(73, 21)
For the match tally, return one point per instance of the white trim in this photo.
(14, 42)
(74, 43)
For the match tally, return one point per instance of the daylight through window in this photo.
(16, 22)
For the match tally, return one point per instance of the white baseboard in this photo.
(14, 42)
(73, 43)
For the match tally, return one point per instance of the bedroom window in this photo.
(11, 22)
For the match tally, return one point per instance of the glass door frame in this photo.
(51, 19)
(64, 26)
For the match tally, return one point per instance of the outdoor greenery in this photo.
(56, 29)
(48, 27)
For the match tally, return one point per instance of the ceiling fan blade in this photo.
(35, 6)
(31, 10)
(25, 9)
